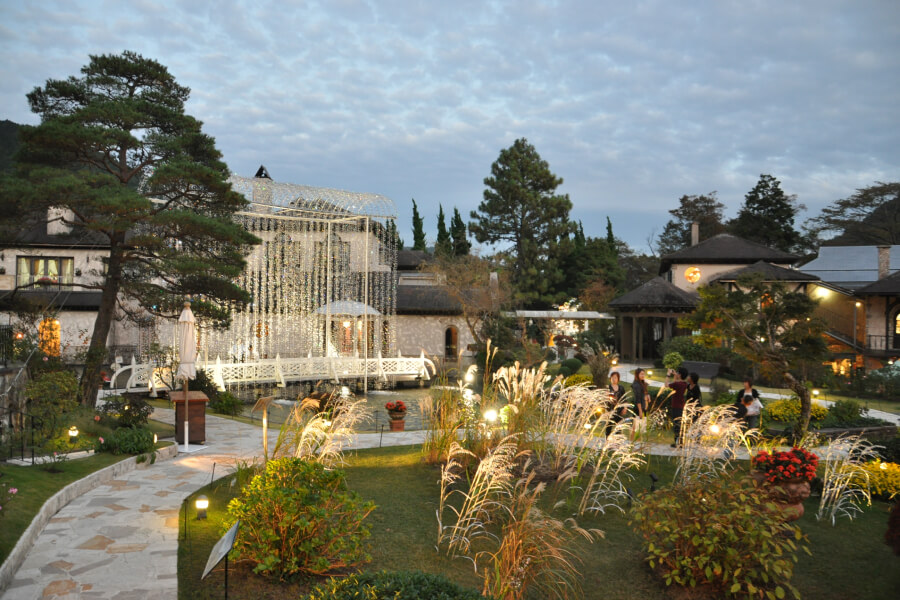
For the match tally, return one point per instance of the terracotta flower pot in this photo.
(397, 415)
(398, 425)
(788, 496)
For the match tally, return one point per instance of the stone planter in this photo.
(788, 496)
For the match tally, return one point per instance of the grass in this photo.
(849, 560)
(36, 485)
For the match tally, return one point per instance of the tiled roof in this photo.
(656, 293)
(769, 272)
(725, 249)
(889, 286)
(426, 300)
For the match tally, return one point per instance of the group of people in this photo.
(685, 387)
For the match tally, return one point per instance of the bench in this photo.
(706, 370)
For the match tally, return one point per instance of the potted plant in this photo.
(786, 476)
(397, 413)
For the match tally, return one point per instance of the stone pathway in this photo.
(120, 540)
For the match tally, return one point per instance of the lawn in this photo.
(848, 561)
(36, 485)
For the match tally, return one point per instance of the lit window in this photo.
(42, 271)
(692, 274)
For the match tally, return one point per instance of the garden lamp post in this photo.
(855, 332)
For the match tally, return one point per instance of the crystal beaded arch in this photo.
(290, 199)
(321, 251)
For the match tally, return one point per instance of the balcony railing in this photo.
(885, 343)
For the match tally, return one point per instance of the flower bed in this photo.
(780, 467)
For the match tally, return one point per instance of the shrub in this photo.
(572, 364)
(127, 412)
(883, 479)
(672, 360)
(51, 395)
(788, 410)
(127, 440)
(890, 452)
(203, 383)
(226, 403)
(883, 382)
(579, 379)
(718, 532)
(298, 517)
(410, 585)
(845, 412)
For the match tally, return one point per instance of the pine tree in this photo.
(442, 244)
(461, 244)
(521, 207)
(610, 238)
(767, 216)
(116, 152)
(418, 229)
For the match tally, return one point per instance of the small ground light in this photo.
(155, 438)
(345, 391)
(649, 373)
(73, 434)
(202, 503)
(714, 428)
(883, 466)
(815, 392)
(490, 415)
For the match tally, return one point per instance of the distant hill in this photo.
(9, 143)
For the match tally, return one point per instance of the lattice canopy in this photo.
(290, 199)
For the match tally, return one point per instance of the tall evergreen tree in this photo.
(767, 216)
(120, 159)
(610, 238)
(461, 244)
(706, 210)
(521, 207)
(442, 244)
(870, 217)
(418, 229)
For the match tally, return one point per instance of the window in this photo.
(48, 337)
(38, 272)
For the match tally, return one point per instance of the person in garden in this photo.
(640, 400)
(616, 391)
(748, 396)
(693, 393)
(676, 403)
(747, 389)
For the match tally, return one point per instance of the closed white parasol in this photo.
(187, 356)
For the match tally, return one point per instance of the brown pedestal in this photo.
(196, 412)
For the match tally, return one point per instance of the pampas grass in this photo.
(845, 459)
(709, 437)
(321, 436)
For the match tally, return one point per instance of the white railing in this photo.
(149, 376)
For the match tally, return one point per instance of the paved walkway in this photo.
(120, 540)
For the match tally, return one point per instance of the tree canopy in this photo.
(458, 237)
(442, 243)
(767, 216)
(770, 326)
(521, 208)
(418, 229)
(704, 209)
(870, 217)
(122, 162)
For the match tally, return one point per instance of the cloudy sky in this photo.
(633, 104)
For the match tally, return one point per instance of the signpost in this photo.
(220, 551)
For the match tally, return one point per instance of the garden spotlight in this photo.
(73, 434)
(714, 429)
(202, 503)
(490, 415)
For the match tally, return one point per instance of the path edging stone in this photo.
(56, 502)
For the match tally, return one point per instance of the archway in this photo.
(451, 343)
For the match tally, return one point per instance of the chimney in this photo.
(884, 261)
(695, 233)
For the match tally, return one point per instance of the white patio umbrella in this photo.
(187, 355)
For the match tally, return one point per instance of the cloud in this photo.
(633, 104)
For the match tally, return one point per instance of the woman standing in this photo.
(616, 391)
(640, 400)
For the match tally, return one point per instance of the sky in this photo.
(633, 104)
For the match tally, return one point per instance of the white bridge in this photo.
(140, 377)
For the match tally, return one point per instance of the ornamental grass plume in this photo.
(444, 414)
(531, 551)
(321, 436)
(709, 436)
(845, 484)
